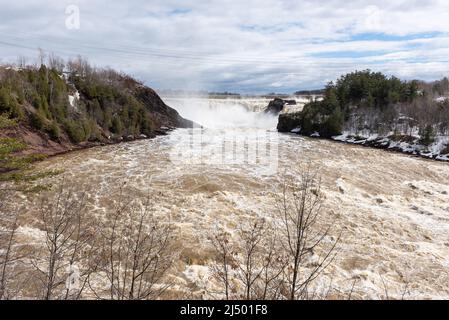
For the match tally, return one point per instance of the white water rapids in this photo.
(393, 209)
(225, 113)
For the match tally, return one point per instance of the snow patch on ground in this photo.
(434, 150)
(73, 99)
(441, 99)
(198, 275)
(33, 235)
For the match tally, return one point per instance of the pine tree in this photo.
(38, 119)
(9, 105)
(333, 125)
(4, 100)
(427, 135)
(117, 126)
(54, 131)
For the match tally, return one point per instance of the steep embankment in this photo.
(59, 111)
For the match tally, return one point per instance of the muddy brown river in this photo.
(392, 209)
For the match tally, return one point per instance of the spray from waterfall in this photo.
(225, 113)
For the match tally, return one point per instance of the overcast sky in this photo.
(242, 46)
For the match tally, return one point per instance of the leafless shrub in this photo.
(11, 252)
(56, 63)
(299, 211)
(60, 267)
(134, 255)
(41, 57)
(249, 270)
(280, 259)
(250, 266)
(260, 266)
(222, 271)
(401, 295)
(8, 255)
(79, 67)
(271, 282)
(405, 290)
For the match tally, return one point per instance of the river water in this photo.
(392, 209)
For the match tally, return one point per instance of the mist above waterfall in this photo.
(225, 113)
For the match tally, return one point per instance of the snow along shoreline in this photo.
(438, 150)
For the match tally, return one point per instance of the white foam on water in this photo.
(392, 209)
(218, 114)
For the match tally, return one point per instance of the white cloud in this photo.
(247, 46)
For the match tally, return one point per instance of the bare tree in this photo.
(11, 253)
(80, 67)
(273, 263)
(41, 57)
(21, 62)
(8, 255)
(250, 270)
(67, 236)
(299, 209)
(56, 63)
(135, 253)
(260, 264)
(251, 259)
(281, 259)
(222, 271)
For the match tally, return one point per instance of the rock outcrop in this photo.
(277, 105)
(288, 122)
(165, 115)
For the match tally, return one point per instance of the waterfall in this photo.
(225, 113)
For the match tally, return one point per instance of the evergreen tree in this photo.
(4, 100)
(117, 126)
(427, 135)
(334, 124)
(53, 131)
(38, 119)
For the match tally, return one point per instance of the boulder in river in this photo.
(289, 121)
(277, 105)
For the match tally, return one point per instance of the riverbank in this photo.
(374, 110)
(388, 144)
(38, 144)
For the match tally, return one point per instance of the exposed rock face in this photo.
(166, 116)
(277, 105)
(288, 122)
